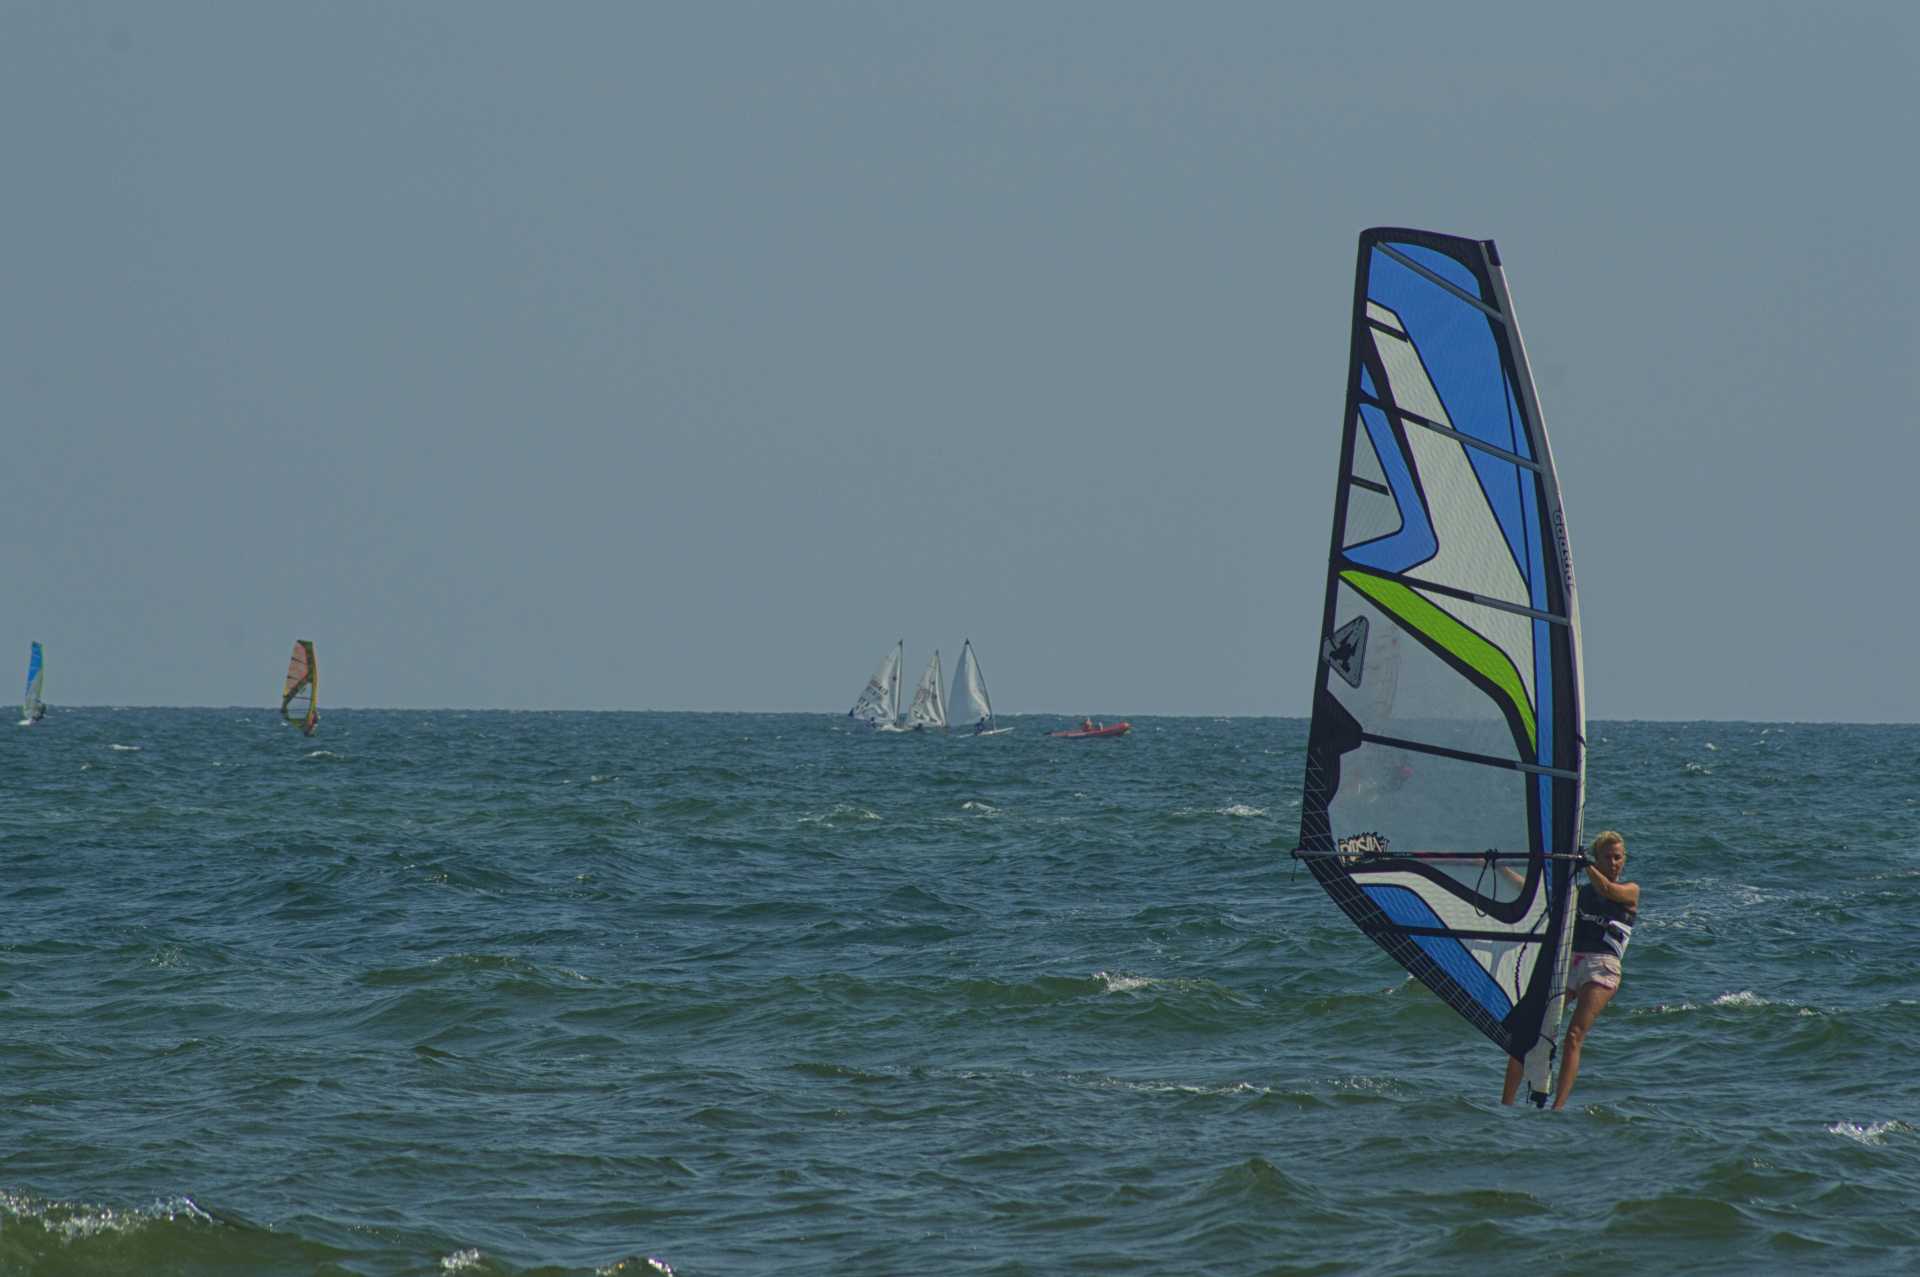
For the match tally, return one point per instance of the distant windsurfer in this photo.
(1605, 909)
(311, 725)
(39, 712)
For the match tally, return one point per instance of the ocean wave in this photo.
(173, 1234)
(1744, 998)
(125, 749)
(73, 1221)
(840, 814)
(1123, 983)
(1238, 810)
(1214, 1089)
(1872, 1134)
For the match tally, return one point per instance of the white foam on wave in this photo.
(125, 749)
(323, 753)
(1699, 769)
(461, 1260)
(621, 1269)
(985, 809)
(1123, 983)
(1242, 809)
(599, 779)
(1183, 1088)
(841, 811)
(74, 1221)
(1870, 1135)
(1744, 998)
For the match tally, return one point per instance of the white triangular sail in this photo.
(879, 701)
(929, 708)
(971, 706)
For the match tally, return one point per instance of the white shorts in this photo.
(1602, 969)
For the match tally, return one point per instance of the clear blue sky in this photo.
(685, 356)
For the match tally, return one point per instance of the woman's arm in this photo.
(1621, 893)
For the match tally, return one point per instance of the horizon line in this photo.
(809, 713)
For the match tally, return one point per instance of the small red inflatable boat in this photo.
(1089, 732)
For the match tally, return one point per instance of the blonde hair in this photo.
(1608, 838)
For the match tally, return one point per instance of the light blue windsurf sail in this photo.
(1446, 760)
(33, 706)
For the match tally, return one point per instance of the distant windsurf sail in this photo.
(970, 702)
(300, 700)
(879, 702)
(33, 706)
(1446, 758)
(929, 708)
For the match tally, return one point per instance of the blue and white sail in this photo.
(33, 705)
(1446, 758)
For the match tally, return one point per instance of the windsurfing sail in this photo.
(33, 706)
(300, 700)
(1446, 760)
(880, 701)
(929, 708)
(970, 702)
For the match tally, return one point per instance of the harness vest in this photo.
(1601, 925)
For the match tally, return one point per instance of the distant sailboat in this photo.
(970, 702)
(929, 708)
(879, 704)
(300, 700)
(33, 707)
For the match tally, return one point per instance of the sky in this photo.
(685, 356)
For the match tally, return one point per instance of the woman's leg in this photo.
(1593, 1000)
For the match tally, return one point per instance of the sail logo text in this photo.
(1368, 844)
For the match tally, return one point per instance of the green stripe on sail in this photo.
(1414, 611)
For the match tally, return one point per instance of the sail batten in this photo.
(1448, 710)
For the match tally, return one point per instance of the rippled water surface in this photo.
(732, 994)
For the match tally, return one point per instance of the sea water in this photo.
(732, 994)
